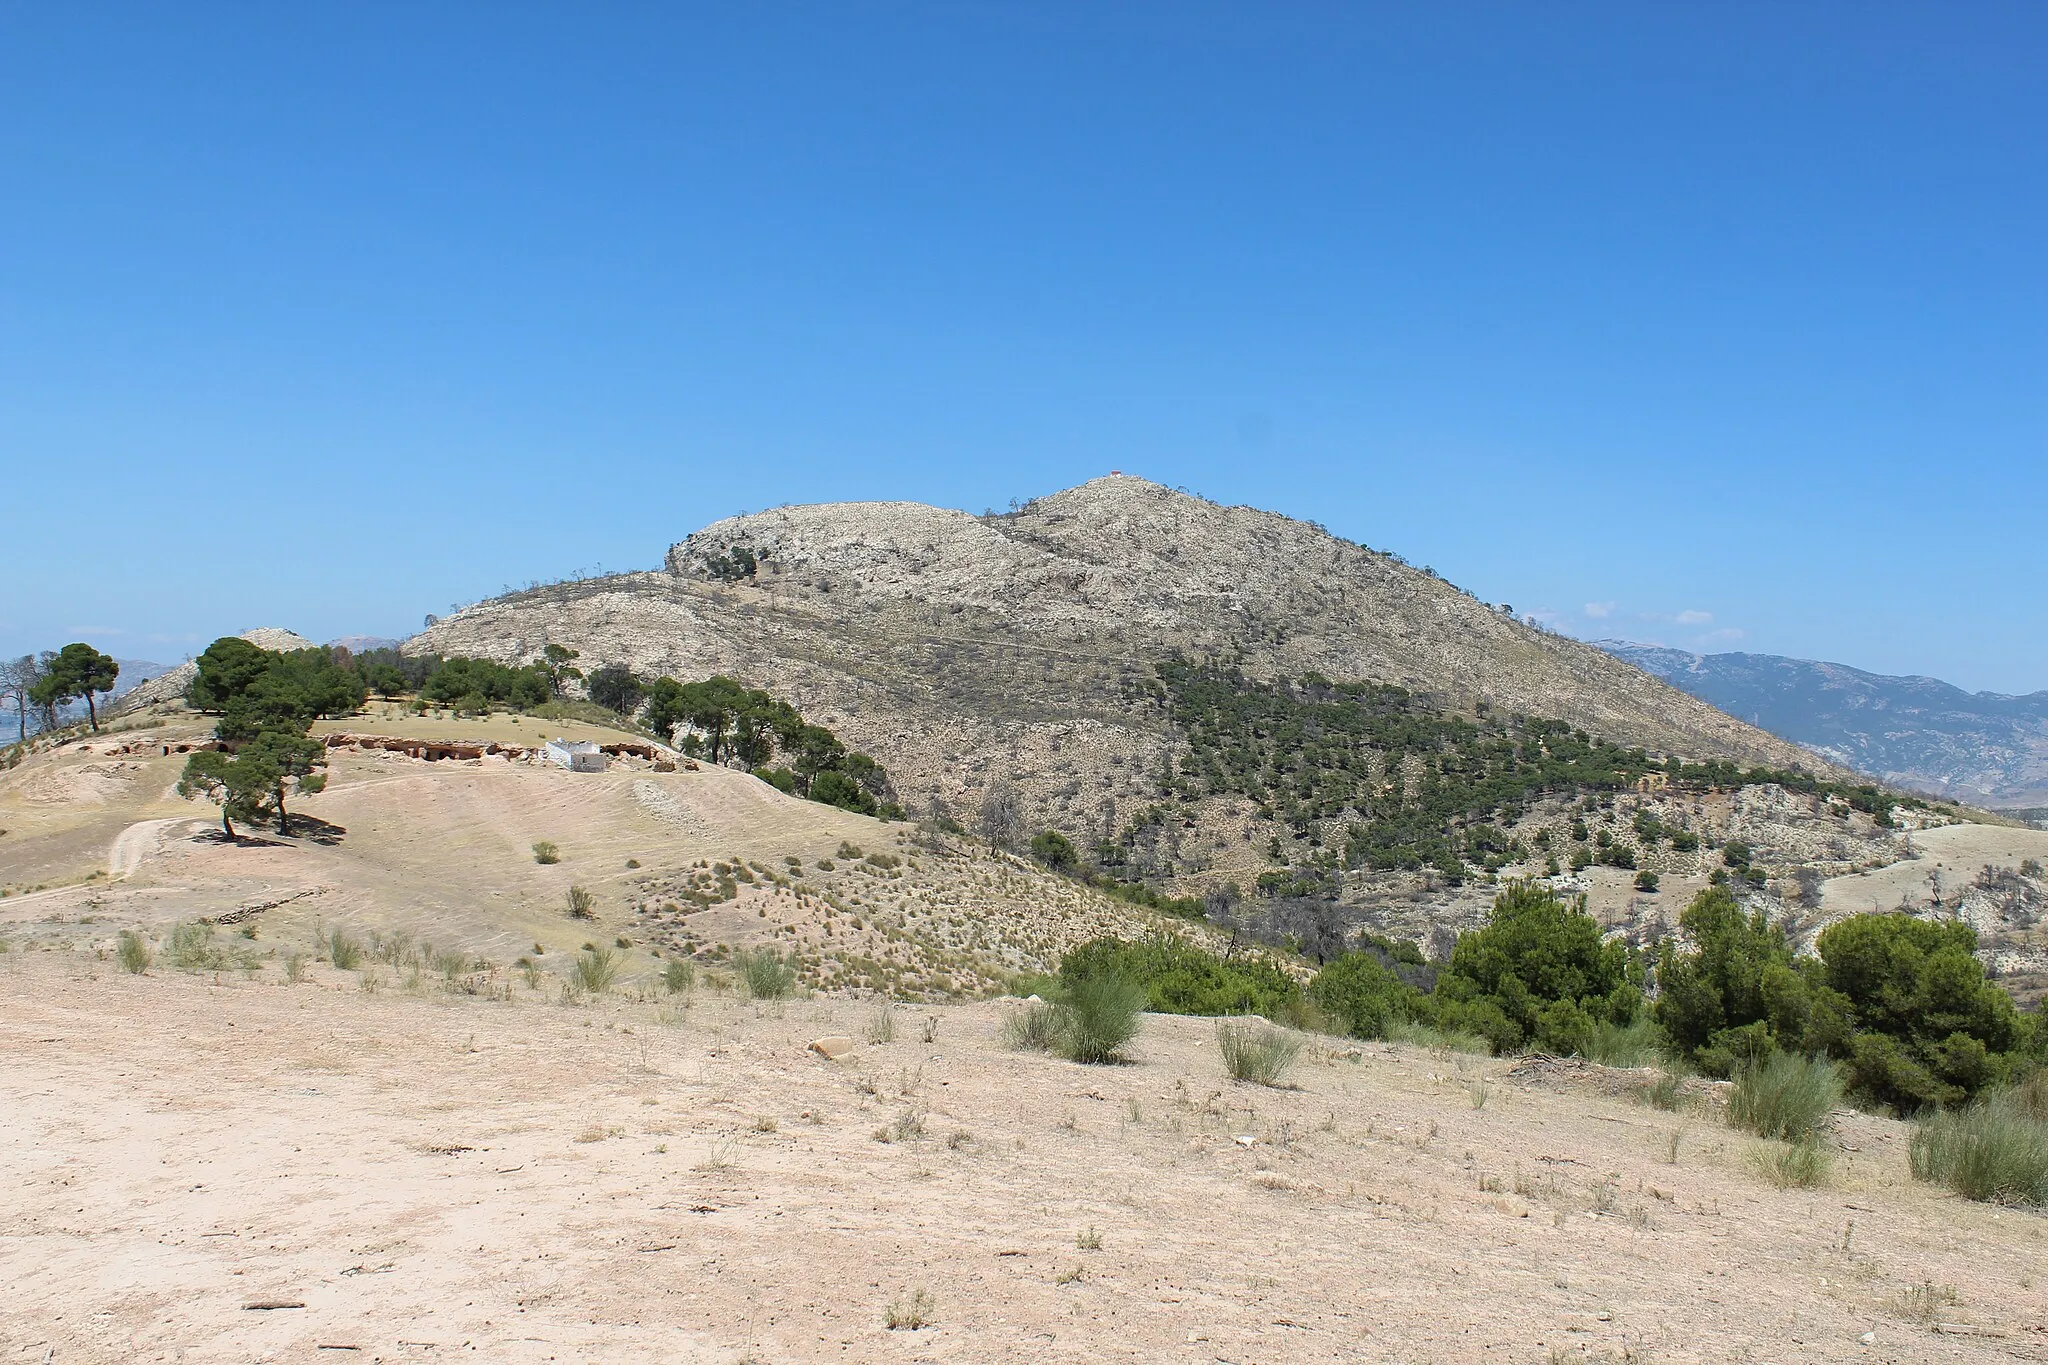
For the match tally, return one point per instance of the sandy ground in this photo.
(1949, 859)
(96, 839)
(423, 1177)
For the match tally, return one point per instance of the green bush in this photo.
(1995, 1150)
(1098, 1015)
(133, 953)
(1794, 1165)
(1537, 975)
(1033, 1027)
(1256, 1051)
(679, 974)
(1364, 994)
(1902, 1002)
(1636, 1044)
(191, 948)
(345, 952)
(545, 853)
(1786, 1097)
(764, 974)
(1181, 978)
(594, 970)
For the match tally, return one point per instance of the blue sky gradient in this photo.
(1722, 329)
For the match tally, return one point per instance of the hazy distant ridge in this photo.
(1922, 732)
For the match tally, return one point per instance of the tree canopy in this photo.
(1902, 1001)
(267, 701)
(1537, 975)
(76, 671)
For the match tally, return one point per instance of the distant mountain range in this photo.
(1981, 747)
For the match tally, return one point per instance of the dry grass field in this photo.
(219, 1167)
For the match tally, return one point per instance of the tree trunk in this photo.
(224, 824)
(91, 711)
(284, 821)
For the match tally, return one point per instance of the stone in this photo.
(832, 1048)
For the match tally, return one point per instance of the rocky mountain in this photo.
(964, 651)
(1982, 747)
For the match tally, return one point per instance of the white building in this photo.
(578, 756)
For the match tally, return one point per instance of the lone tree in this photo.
(616, 689)
(255, 780)
(79, 670)
(267, 703)
(555, 661)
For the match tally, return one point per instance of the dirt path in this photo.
(137, 842)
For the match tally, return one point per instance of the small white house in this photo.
(578, 756)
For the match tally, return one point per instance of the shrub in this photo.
(764, 973)
(1034, 1027)
(907, 1315)
(1418, 1034)
(1364, 994)
(882, 1021)
(1537, 975)
(1098, 1015)
(134, 954)
(595, 969)
(1786, 1097)
(1994, 1150)
(1664, 1092)
(1181, 978)
(545, 853)
(1636, 1044)
(1646, 880)
(191, 948)
(1793, 1165)
(582, 905)
(679, 975)
(1256, 1051)
(344, 952)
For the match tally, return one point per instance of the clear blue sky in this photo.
(1724, 328)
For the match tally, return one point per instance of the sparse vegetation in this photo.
(679, 975)
(1033, 1026)
(1994, 1149)
(907, 1315)
(1793, 1165)
(764, 973)
(582, 905)
(545, 853)
(881, 1021)
(1786, 1097)
(594, 970)
(1098, 1016)
(1256, 1051)
(133, 953)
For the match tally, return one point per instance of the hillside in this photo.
(961, 650)
(413, 856)
(1981, 747)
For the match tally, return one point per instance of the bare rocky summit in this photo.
(961, 649)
